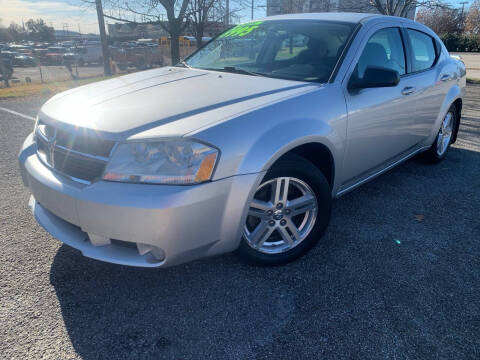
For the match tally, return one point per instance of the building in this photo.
(66, 35)
(277, 7)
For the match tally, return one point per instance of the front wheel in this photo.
(288, 214)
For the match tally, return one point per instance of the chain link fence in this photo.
(35, 70)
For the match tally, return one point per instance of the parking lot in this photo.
(397, 276)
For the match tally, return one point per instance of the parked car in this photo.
(84, 55)
(140, 57)
(241, 152)
(6, 66)
(24, 60)
(54, 55)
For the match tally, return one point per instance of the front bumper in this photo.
(166, 225)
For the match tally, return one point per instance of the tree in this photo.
(472, 23)
(15, 32)
(401, 8)
(440, 20)
(38, 30)
(202, 14)
(151, 10)
(404, 7)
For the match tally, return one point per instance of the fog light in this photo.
(98, 240)
(156, 252)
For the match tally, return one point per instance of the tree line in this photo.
(32, 30)
(459, 29)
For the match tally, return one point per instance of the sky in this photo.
(73, 14)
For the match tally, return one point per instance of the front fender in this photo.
(274, 143)
(252, 142)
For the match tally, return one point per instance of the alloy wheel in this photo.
(281, 215)
(445, 134)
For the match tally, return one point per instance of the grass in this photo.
(473, 81)
(45, 89)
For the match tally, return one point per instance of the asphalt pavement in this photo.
(397, 276)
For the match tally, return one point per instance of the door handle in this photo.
(408, 90)
(445, 77)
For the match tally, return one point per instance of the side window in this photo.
(384, 49)
(291, 47)
(423, 48)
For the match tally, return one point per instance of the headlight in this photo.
(179, 162)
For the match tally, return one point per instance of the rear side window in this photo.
(423, 48)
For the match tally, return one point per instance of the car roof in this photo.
(350, 17)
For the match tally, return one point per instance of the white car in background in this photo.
(84, 55)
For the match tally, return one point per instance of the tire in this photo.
(439, 149)
(280, 244)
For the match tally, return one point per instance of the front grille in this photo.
(84, 143)
(80, 154)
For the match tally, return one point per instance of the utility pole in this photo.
(103, 38)
(253, 4)
(227, 13)
(463, 3)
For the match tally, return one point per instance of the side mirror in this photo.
(375, 77)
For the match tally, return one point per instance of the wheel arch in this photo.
(318, 154)
(453, 97)
(458, 105)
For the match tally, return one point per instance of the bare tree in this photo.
(152, 12)
(207, 14)
(442, 21)
(404, 7)
(200, 13)
(391, 7)
(472, 23)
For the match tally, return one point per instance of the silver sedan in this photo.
(244, 145)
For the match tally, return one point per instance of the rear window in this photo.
(424, 54)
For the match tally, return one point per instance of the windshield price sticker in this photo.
(242, 29)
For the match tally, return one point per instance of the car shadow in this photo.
(381, 281)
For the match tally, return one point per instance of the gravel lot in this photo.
(397, 276)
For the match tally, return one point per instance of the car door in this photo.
(379, 119)
(428, 80)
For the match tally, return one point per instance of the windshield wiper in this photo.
(184, 64)
(233, 69)
(236, 70)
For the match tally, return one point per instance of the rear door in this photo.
(429, 82)
(379, 119)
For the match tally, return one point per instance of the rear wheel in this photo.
(442, 142)
(289, 213)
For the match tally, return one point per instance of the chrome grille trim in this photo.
(79, 166)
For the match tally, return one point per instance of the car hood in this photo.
(171, 101)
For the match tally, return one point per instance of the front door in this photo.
(379, 119)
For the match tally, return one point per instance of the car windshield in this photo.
(303, 50)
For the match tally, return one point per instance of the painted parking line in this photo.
(17, 113)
